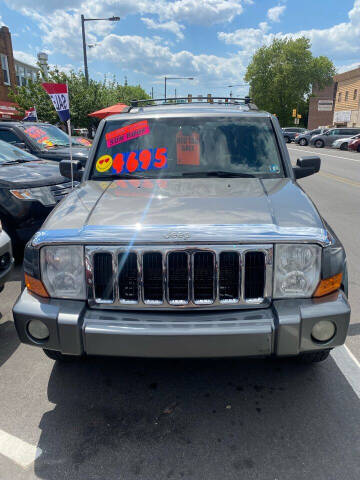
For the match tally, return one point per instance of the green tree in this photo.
(281, 76)
(84, 98)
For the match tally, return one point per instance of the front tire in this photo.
(313, 357)
(344, 146)
(319, 144)
(303, 142)
(60, 357)
(358, 149)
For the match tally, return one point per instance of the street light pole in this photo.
(174, 78)
(84, 49)
(83, 20)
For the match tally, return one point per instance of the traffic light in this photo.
(294, 113)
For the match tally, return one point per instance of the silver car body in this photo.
(191, 215)
(6, 253)
(343, 142)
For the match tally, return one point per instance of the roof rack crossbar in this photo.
(173, 100)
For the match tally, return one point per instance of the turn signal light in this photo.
(35, 286)
(328, 285)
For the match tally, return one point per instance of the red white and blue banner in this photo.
(30, 115)
(59, 95)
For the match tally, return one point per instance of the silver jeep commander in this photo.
(188, 237)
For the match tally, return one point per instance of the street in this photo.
(258, 419)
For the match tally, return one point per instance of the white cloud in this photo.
(25, 57)
(346, 68)
(2, 24)
(170, 26)
(275, 13)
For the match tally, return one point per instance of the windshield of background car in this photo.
(48, 136)
(10, 153)
(189, 147)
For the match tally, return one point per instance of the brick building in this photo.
(321, 107)
(347, 104)
(13, 72)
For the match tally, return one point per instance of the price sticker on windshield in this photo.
(127, 133)
(135, 161)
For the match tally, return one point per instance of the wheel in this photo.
(58, 356)
(313, 357)
(319, 143)
(344, 146)
(303, 142)
(287, 139)
(358, 149)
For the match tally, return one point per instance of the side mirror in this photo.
(306, 166)
(65, 169)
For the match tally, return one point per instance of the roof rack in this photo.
(150, 102)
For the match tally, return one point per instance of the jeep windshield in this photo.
(185, 147)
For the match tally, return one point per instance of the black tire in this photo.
(319, 143)
(287, 139)
(358, 149)
(58, 356)
(313, 357)
(344, 146)
(303, 142)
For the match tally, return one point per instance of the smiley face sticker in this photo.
(104, 163)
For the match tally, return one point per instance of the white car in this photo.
(6, 258)
(342, 143)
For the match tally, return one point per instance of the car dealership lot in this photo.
(193, 419)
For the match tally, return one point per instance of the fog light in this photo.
(323, 331)
(38, 330)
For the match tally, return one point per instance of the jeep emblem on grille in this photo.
(177, 235)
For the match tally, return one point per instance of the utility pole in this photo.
(84, 49)
(152, 92)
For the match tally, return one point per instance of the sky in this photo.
(210, 40)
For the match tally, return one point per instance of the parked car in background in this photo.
(141, 267)
(44, 140)
(290, 132)
(29, 189)
(327, 139)
(6, 258)
(355, 144)
(304, 138)
(343, 143)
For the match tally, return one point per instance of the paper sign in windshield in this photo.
(127, 133)
(39, 135)
(188, 149)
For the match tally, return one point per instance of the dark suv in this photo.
(44, 140)
(290, 132)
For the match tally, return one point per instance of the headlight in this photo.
(297, 270)
(41, 194)
(62, 271)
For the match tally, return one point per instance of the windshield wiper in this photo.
(17, 160)
(218, 173)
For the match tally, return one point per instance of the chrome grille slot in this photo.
(203, 277)
(254, 275)
(128, 277)
(178, 278)
(152, 277)
(103, 277)
(229, 277)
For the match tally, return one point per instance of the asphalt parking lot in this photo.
(130, 419)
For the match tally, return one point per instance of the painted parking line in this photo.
(349, 366)
(326, 154)
(20, 452)
(339, 179)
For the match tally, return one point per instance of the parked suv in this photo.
(188, 237)
(29, 189)
(44, 140)
(328, 138)
(290, 132)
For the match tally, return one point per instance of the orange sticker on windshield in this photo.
(188, 149)
(104, 163)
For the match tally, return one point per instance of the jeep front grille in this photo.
(192, 277)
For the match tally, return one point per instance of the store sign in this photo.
(342, 116)
(325, 105)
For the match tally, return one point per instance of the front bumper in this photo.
(282, 329)
(5, 248)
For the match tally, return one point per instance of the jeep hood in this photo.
(178, 210)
